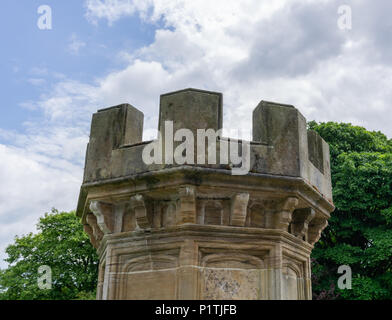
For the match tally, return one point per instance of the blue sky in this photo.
(101, 53)
(30, 53)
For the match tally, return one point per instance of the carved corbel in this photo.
(104, 214)
(238, 211)
(316, 226)
(300, 223)
(283, 214)
(93, 230)
(90, 233)
(187, 205)
(138, 205)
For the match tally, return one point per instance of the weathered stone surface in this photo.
(104, 215)
(187, 205)
(139, 207)
(283, 128)
(239, 205)
(315, 147)
(192, 109)
(300, 222)
(111, 129)
(193, 230)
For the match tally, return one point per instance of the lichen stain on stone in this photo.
(230, 284)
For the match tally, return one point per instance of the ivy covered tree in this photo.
(60, 244)
(360, 229)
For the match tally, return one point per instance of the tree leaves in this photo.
(359, 232)
(60, 244)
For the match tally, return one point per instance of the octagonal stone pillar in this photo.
(196, 231)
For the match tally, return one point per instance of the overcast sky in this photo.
(100, 53)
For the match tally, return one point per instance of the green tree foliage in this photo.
(60, 244)
(360, 229)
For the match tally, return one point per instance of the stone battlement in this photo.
(195, 230)
(281, 143)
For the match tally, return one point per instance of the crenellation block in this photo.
(283, 128)
(315, 147)
(191, 109)
(111, 128)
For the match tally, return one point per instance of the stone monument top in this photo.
(196, 215)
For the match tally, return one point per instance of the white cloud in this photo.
(112, 10)
(285, 51)
(75, 44)
(31, 185)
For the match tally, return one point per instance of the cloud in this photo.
(291, 42)
(112, 10)
(285, 51)
(75, 44)
(288, 51)
(32, 185)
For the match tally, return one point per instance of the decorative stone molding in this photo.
(239, 205)
(138, 205)
(87, 228)
(300, 223)
(104, 214)
(283, 214)
(316, 226)
(93, 229)
(187, 205)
